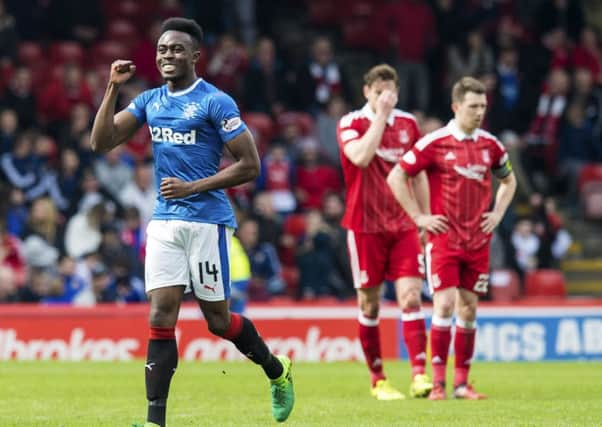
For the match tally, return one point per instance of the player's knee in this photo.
(411, 301)
(467, 312)
(162, 317)
(217, 326)
(445, 308)
(370, 309)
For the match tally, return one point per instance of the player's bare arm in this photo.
(110, 129)
(360, 152)
(503, 197)
(244, 169)
(399, 182)
(420, 186)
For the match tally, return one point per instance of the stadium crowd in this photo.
(72, 223)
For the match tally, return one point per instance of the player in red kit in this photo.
(457, 159)
(382, 240)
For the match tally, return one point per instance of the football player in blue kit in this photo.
(190, 122)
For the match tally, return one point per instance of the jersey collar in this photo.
(367, 111)
(457, 133)
(185, 91)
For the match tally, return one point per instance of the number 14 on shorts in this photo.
(205, 270)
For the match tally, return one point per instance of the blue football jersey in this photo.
(189, 129)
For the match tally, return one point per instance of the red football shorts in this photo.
(376, 257)
(456, 268)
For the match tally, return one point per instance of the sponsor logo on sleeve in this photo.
(231, 124)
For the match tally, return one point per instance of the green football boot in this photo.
(283, 395)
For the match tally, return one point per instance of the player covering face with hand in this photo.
(458, 159)
(382, 240)
(190, 122)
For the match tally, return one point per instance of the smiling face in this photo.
(176, 57)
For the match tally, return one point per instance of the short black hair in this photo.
(188, 26)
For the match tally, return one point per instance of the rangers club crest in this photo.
(404, 138)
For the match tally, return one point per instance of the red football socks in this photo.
(414, 335)
(440, 339)
(369, 334)
(464, 348)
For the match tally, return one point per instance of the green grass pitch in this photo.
(328, 394)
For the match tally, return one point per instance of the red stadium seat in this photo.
(590, 173)
(290, 275)
(122, 31)
(66, 52)
(304, 120)
(6, 72)
(30, 54)
(504, 285)
(324, 12)
(355, 30)
(591, 197)
(107, 51)
(545, 283)
(294, 225)
(261, 126)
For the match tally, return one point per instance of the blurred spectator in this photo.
(470, 57)
(113, 172)
(101, 280)
(72, 287)
(19, 97)
(549, 228)
(8, 36)
(240, 276)
(587, 54)
(69, 179)
(17, 212)
(11, 257)
(61, 95)
(114, 252)
(263, 81)
(9, 125)
(133, 234)
(542, 138)
(143, 55)
(43, 232)
(20, 167)
(73, 20)
(314, 178)
(268, 221)
(576, 148)
(526, 245)
(408, 28)
(277, 172)
(322, 78)
(508, 110)
(124, 287)
(227, 65)
(92, 193)
(141, 192)
(78, 124)
(317, 262)
(266, 277)
(326, 125)
(8, 287)
(42, 283)
(565, 14)
(333, 209)
(82, 234)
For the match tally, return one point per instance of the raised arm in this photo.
(361, 151)
(110, 129)
(399, 182)
(245, 168)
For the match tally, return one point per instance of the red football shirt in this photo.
(458, 168)
(370, 204)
